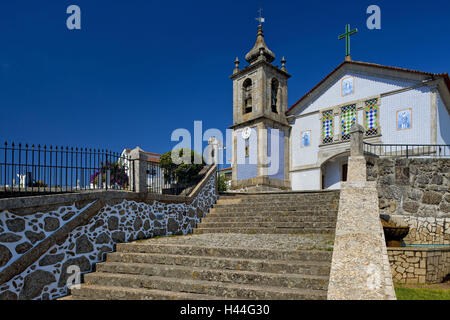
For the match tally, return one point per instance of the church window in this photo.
(348, 118)
(327, 126)
(371, 113)
(247, 96)
(274, 95)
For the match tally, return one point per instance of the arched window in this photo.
(247, 86)
(274, 94)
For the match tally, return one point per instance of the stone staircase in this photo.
(273, 213)
(265, 246)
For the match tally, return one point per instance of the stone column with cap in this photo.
(138, 165)
(356, 162)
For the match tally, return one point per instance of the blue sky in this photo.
(139, 69)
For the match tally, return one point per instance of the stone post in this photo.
(138, 170)
(360, 267)
(356, 140)
(356, 161)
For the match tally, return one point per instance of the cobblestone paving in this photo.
(261, 241)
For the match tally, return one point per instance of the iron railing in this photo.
(36, 170)
(29, 169)
(408, 150)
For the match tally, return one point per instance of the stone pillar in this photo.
(356, 140)
(360, 267)
(356, 161)
(138, 170)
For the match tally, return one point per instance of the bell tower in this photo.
(260, 129)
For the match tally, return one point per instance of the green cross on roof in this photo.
(347, 35)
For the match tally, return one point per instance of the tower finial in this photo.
(260, 19)
(236, 63)
(283, 65)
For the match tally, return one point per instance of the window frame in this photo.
(331, 126)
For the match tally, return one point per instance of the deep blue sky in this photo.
(139, 69)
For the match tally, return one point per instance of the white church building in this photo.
(394, 106)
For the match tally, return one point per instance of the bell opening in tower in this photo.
(247, 86)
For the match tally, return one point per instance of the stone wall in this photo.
(425, 230)
(415, 192)
(40, 244)
(419, 265)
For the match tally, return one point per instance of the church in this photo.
(306, 146)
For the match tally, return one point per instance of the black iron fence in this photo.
(36, 170)
(408, 151)
(29, 169)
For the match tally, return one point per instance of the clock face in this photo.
(246, 133)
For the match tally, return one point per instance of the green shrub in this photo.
(184, 172)
(118, 174)
(222, 183)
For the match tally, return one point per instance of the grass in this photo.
(421, 294)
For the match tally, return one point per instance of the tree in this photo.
(184, 172)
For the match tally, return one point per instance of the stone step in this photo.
(231, 202)
(228, 252)
(275, 213)
(212, 288)
(95, 292)
(285, 211)
(268, 218)
(292, 230)
(269, 225)
(281, 206)
(227, 276)
(260, 265)
(274, 195)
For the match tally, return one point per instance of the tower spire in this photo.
(260, 48)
